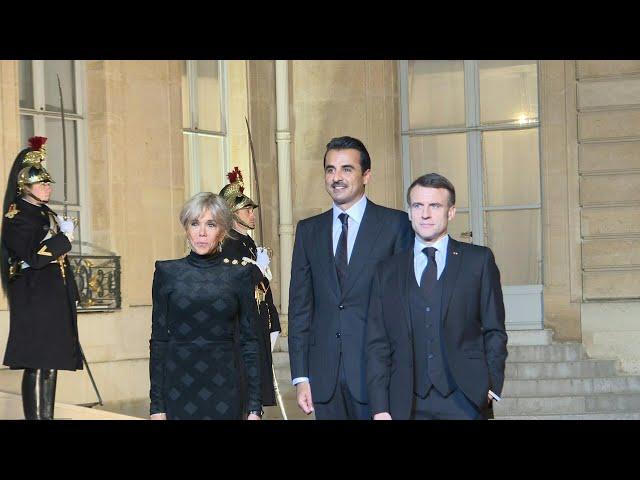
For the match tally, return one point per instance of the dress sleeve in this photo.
(248, 317)
(158, 341)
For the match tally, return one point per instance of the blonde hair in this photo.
(196, 206)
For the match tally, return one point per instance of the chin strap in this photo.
(35, 198)
(237, 219)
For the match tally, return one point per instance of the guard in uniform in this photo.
(38, 282)
(240, 246)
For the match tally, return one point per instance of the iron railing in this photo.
(98, 280)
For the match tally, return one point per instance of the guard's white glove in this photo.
(66, 226)
(263, 261)
(274, 337)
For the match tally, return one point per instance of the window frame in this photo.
(81, 209)
(473, 129)
(191, 133)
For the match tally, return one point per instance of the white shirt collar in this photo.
(355, 212)
(441, 245)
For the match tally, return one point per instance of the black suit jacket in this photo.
(323, 321)
(474, 335)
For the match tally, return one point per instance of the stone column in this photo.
(9, 130)
(285, 229)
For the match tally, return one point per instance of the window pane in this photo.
(66, 70)
(55, 159)
(186, 108)
(514, 237)
(208, 96)
(511, 167)
(436, 94)
(211, 163)
(458, 225)
(26, 130)
(443, 154)
(26, 84)
(508, 91)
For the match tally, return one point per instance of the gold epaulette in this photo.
(235, 262)
(13, 211)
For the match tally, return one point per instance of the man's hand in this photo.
(305, 402)
(158, 416)
(253, 416)
(382, 416)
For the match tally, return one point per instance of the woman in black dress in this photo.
(196, 302)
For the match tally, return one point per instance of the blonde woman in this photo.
(197, 301)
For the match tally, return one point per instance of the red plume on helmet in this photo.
(234, 176)
(36, 143)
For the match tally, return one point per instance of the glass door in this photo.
(476, 123)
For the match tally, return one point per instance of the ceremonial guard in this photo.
(38, 282)
(239, 245)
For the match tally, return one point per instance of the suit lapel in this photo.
(452, 268)
(325, 236)
(367, 235)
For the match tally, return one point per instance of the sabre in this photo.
(64, 166)
(260, 238)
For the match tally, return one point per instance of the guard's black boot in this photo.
(48, 379)
(30, 397)
(39, 393)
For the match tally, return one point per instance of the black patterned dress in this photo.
(193, 370)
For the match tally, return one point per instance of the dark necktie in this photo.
(430, 273)
(341, 251)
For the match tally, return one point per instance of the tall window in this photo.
(40, 115)
(476, 122)
(204, 117)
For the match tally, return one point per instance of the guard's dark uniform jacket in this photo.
(235, 247)
(43, 328)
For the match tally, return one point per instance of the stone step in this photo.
(529, 337)
(284, 377)
(282, 344)
(570, 386)
(577, 416)
(568, 404)
(577, 369)
(613, 402)
(280, 359)
(559, 352)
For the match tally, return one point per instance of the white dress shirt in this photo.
(420, 260)
(355, 212)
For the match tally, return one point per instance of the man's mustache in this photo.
(338, 184)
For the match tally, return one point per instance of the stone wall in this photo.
(608, 154)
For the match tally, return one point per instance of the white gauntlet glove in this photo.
(66, 226)
(273, 337)
(263, 261)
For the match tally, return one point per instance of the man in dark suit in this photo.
(436, 344)
(334, 258)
